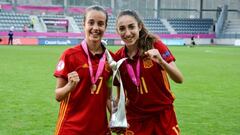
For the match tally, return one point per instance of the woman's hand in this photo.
(73, 79)
(171, 67)
(154, 55)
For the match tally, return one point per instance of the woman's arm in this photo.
(63, 87)
(173, 71)
(171, 67)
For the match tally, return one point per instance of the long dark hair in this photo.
(146, 39)
(97, 8)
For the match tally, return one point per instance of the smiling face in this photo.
(128, 29)
(94, 26)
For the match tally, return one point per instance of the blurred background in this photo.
(37, 22)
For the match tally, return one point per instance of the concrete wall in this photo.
(227, 41)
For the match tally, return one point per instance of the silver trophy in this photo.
(118, 118)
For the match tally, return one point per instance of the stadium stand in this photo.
(180, 25)
(9, 19)
(111, 25)
(78, 19)
(51, 16)
(53, 27)
(155, 26)
(232, 26)
(191, 26)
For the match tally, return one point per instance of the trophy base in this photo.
(118, 130)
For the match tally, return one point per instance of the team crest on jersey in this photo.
(129, 132)
(85, 65)
(147, 63)
(107, 67)
(60, 65)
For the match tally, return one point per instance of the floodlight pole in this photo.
(14, 4)
(113, 7)
(201, 8)
(65, 7)
(157, 9)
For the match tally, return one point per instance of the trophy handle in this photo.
(118, 118)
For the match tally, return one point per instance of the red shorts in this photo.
(163, 124)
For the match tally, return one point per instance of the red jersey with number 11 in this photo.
(154, 92)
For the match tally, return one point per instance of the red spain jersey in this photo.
(154, 93)
(83, 112)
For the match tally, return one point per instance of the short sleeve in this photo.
(62, 68)
(164, 51)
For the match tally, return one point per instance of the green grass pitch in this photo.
(207, 103)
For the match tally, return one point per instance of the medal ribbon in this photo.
(100, 65)
(135, 78)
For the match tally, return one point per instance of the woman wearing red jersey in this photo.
(82, 74)
(149, 105)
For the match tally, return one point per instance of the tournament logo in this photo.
(85, 65)
(60, 65)
(147, 63)
(166, 54)
(107, 67)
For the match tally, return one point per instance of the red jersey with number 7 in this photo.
(83, 112)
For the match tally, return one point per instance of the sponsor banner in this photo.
(108, 41)
(173, 41)
(118, 42)
(3, 41)
(44, 34)
(6, 7)
(78, 10)
(56, 41)
(82, 10)
(177, 36)
(165, 41)
(56, 22)
(45, 8)
(237, 42)
(20, 41)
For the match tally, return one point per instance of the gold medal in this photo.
(93, 88)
